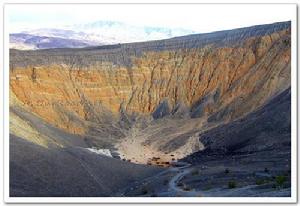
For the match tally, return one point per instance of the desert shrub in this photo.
(280, 179)
(144, 191)
(231, 184)
(207, 187)
(261, 181)
(286, 42)
(195, 172)
(186, 188)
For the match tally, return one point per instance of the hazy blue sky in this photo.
(201, 18)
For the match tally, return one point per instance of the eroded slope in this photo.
(158, 95)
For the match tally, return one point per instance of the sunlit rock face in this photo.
(219, 79)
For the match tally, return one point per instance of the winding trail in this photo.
(173, 190)
(176, 190)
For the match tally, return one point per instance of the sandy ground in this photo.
(144, 146)
(134, 150)
(141, 147)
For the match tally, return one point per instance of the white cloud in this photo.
(198, 17)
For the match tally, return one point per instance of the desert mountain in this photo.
(90, 34)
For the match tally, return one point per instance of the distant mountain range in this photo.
(91, 34)
(27, 41)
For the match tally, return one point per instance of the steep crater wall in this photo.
(210, 79)
(220, 83)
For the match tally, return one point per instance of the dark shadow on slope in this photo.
(68, 172)
(267, 129)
